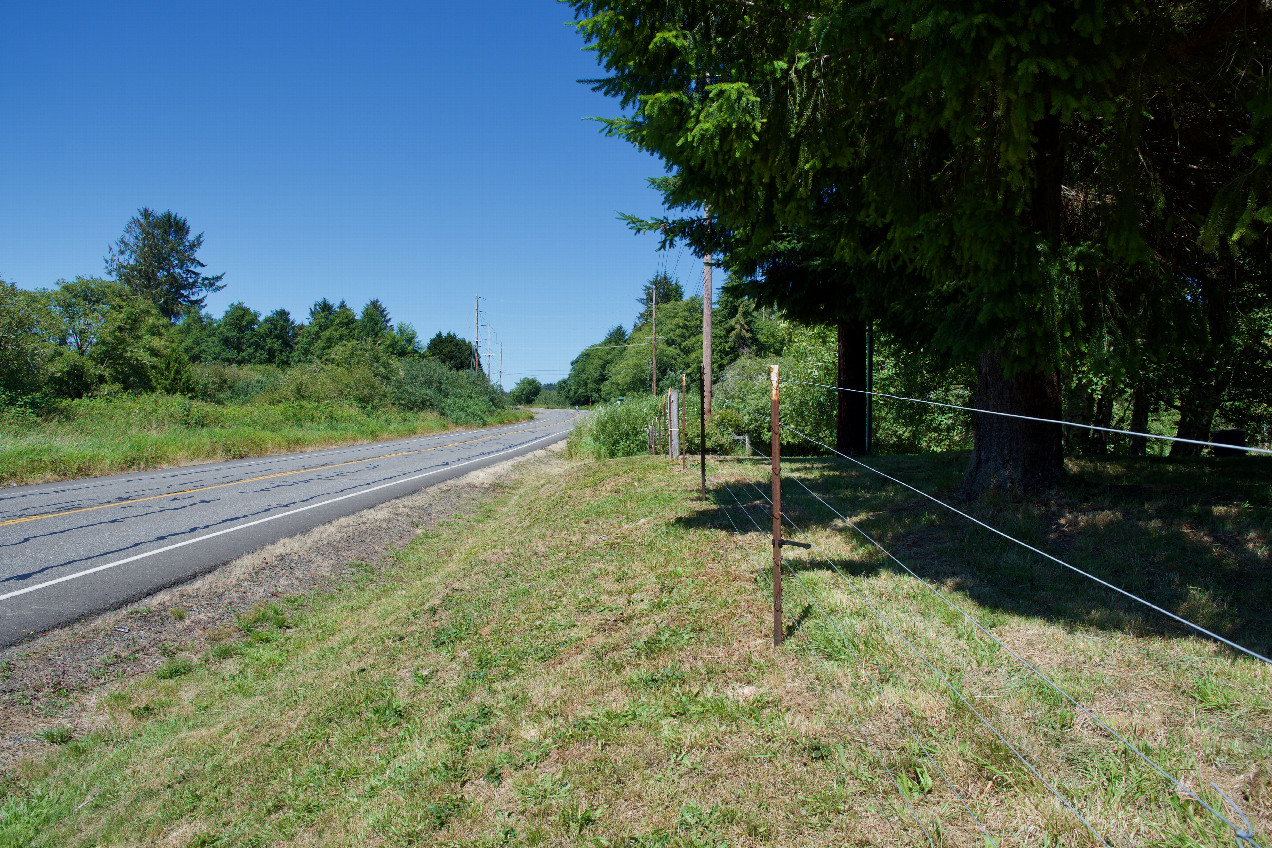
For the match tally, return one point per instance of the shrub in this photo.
(618, 429)
(465, 397)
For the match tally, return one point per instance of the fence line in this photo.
(1243, 835)
(949, 684)
(1197, 627)
(1132, 596)
(838, 687)
(978, 411)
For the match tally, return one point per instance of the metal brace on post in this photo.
(779, 633)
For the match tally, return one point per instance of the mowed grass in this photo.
(587, 662)
(139, 432)
(1191, 537)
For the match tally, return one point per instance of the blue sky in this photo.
(422, 153)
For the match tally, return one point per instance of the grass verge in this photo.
(586, 663)
(98, 436)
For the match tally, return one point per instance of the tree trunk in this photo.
(851, 422)
(1212, 373)
(1010, 454)
(1099, 440)
(1196, 416)
(1141, 405)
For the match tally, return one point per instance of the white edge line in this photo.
(235, 529)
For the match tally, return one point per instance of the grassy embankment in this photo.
(97, 436)
(586, 662)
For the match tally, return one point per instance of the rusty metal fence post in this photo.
(702, 427)
(779, 633)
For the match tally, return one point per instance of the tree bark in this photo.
(1010, 454)
(1196, 416)
(1141, 405)
(1212, 373)
(851, 422)
(1099, 439)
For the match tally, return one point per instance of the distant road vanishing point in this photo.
(81, 547)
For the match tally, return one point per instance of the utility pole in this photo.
(706, 331)
(501, 365)
(489, 351)
(477, 336)
(653, 376)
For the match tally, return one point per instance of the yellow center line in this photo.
(263, 477)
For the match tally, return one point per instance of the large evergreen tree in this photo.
(994, 158)
(157, 258)
(450, 350)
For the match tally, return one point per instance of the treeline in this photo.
(749, 337)
(146, 331)
(619, 365)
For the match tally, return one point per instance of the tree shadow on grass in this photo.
(1191, 536)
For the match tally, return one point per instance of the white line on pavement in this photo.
(173, 547)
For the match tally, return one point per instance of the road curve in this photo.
(80, 547)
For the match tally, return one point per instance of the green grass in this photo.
(136, 432)
(586, 662)
(1192, 537)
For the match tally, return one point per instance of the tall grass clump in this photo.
(354, 394)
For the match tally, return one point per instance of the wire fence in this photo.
(1222, 808)
(1222, 446)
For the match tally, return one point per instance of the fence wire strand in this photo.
(1032, 418)
(1042, 676)
(835, 683)
(1242, 834)
(948, 683)
(1106, 584)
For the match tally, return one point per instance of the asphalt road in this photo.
(77, 548)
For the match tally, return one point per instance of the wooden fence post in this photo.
(684, 398)
(673, 417)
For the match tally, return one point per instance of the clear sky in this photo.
(418, 152)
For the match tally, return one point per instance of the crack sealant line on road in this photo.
(187, 542)
(13, 521)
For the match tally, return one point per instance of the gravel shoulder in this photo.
(57, 679)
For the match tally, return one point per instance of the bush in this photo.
(618, 429)
(465, 397)
(216, 382)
